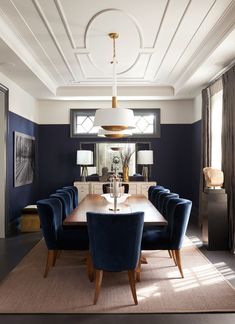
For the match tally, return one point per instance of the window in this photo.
(216, 129)
(147, 123)
(216, 124)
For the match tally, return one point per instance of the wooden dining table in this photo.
(98, 204)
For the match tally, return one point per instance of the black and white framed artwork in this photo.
(24, 159)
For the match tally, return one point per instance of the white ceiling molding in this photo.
(14, 42)
(162, 44)
(214, 38)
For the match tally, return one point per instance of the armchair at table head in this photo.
(106, 187)
(178, 213)
(66, 202)
(74, 191)
(50, 213)
(115, 241)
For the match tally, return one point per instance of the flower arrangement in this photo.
(126, 156)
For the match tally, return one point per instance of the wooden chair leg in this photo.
(90, 268)
(169, 251)
(55, 257)
(50, 260)
(98, 282)
(138, 271)
(174, 257)
(131, 276)
(178, 260)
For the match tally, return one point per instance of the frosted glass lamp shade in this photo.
(84, 157)
(145, 157)
(114, 119)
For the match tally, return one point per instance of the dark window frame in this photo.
(141, 112)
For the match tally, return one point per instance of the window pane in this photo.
(216, 129)
(82, 123)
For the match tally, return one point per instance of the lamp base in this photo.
(84, 173)
(145, 172)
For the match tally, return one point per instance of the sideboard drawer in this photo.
(97, 189)
(144, 189)
(132, 188)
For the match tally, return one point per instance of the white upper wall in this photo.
(172, 111)
(20, 102)
(58, 111)
(197, 108)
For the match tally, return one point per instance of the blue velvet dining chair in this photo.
(162, 201)
(178, 213)
(150, 190)
(154, 194)
(56, 238)
(65, 199)
(115, 241)
(74, 191)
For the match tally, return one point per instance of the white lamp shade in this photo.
(145, 157)
(84, 157)
(125, 132)
(114, 117)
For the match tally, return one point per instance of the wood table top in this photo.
(98, 204)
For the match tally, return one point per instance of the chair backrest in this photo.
(150, 190)
(69, 191)
(66, 202)
(75, 194)
(50, 213)
(106, 187)
(178, 211)
(115, 240)
(162, 201)
(155, 196)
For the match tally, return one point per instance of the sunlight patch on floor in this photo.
(148, 292)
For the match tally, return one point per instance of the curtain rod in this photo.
(219, 74)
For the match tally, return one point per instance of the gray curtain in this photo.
(228, 149)
(205, 142)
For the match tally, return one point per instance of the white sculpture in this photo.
(213, 177)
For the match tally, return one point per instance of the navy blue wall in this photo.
(172, 168)
(176, 156)
(21, 196)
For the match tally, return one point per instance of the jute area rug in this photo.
(68, 290)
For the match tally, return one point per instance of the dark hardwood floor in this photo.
(13, 249)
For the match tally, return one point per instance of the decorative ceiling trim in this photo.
(65, 23)
(169, 45)
(53, 37)
(119, 73)
(213, 39)
(190, 41)
(113, 9)
(37, 40)
(161, 23)
(15, 42)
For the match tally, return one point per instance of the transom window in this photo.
(147, 123)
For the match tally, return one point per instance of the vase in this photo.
(125, 173)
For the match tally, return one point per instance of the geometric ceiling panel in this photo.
(161, 43)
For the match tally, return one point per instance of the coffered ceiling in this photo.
(165, 49)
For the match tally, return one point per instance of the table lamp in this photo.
(84, 158)
(145, 157)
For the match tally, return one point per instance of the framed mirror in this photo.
(108, 155)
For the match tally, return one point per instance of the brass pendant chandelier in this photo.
(114, 121)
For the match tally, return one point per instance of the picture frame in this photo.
(24, 159)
